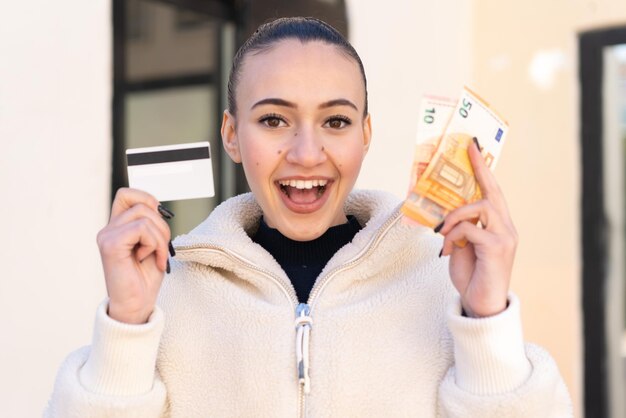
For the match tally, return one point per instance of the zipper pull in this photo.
(303, 333)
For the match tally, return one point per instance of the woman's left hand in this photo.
(481, 270)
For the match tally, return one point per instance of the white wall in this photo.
(409, 48)
(55, 99)
(55, 121)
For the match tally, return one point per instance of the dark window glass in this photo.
(171, 64)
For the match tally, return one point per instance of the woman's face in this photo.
(300, 134)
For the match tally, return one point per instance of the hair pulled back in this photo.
(304, 29)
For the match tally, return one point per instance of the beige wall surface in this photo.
(522, 57)
(55, 123)
(525, 63)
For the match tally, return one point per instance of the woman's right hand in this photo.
(134, 251)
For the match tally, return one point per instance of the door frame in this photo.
(595, 238)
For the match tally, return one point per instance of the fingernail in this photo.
(441, 253)
(438, 227)
(167, 267)
(476, 142)
(166, 213)
(172, 250)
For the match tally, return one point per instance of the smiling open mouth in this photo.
(303, 191)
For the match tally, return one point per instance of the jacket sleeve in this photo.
(495, 374)
(116, 376)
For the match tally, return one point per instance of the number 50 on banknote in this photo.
(447, 181)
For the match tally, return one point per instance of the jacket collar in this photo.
(230, 225)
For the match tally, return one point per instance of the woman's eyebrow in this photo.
(338, 102)
(274, 101)
(282, 102)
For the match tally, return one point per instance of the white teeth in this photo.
(303, 184)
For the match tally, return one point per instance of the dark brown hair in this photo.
(304, 29)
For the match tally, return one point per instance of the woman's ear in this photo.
(367, 133)
(229, 137)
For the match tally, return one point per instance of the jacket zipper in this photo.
(290, 293)
(304, 322)
(303, 334)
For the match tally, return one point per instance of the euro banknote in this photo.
(448, 181)
(434, 114)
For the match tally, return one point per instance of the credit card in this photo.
(172, 172)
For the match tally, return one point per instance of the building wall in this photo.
(522, 57)
(526, 63)
(55, 126)
(407, 52)
(55, 131)
(55, 118)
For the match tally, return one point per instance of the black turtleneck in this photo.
(303, 261)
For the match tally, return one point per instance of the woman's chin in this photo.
(302, 233)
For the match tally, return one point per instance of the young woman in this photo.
(304, 297)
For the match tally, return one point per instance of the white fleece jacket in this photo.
(384, 336)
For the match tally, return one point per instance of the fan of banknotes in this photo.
(442, 178)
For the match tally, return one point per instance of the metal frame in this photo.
(118, 107)
(594, 221)
(223, 10)
(170, 82)
(246, 15)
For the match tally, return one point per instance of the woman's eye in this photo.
(272, 121)
(338, 122)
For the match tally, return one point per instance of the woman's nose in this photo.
(307, 149)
